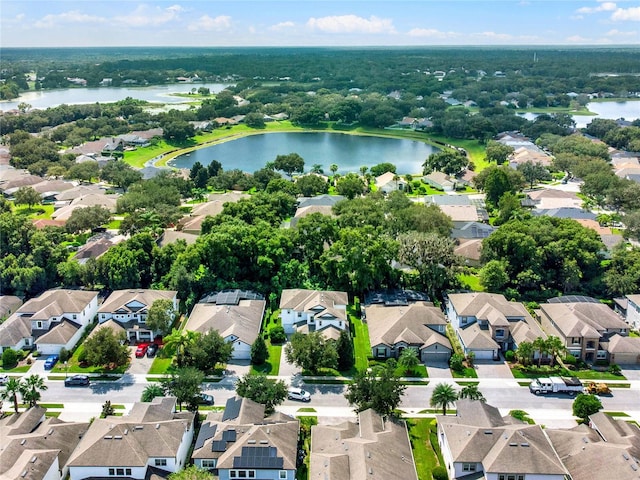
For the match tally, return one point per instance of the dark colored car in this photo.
(77, 381)
(50, 362)
(142, 350)
(152, 350)
(205, 399)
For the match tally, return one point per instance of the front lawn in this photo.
(36, 212)
(545, 371)
(272, 365)
(471, 281)
(160, 366)
(361, 343)
(73, 366)
(467, 372)
(18, 369)
(424, 443)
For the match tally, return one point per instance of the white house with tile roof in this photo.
(55, 319)
(314, 310)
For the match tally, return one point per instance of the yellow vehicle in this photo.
(598, 388)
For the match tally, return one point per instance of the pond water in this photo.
(611, 110)
(349, 152)
(73, 96)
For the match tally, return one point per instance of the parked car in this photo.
(142, 350)
(152, 350)
(295, 393)
(4, 378)
(50, 362)
(205, 399)
(77, 381)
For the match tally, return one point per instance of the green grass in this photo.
(524, 383)
(114, 225)
(466, 373)
(52, 414)
(437, 411)
(160, 366)
(73, 366)
(420, 371)
(476, 150)
(306, 422)
(307, 409)
(272, 365)
(361, 343)
(36, 212)
(421, 431)
(51, 405)
(617, 414)
(634, 334)
(18, 369)
(326, 381)
(463, 383)
(534, 372)
(471, 281)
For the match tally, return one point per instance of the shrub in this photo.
(22, 354)
(35, 353)
(277, 335)
(9, 358)
(456, 362)
(64, 355)
(570, 360)
(440, 473)
(601, 363)
(82, 357)
(509, 355)
(614, 369)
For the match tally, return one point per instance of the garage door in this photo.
(484, 354)
(438, 357)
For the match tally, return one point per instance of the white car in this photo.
(4, 378)
(299, 394)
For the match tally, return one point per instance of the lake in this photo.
(611, 110)
(349, 152)
(73, 96)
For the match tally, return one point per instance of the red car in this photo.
(142, 350)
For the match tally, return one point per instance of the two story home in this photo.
(153, 439)
(582, 325)
(130, 308)
(314, 310)
(373, 448)
(235, 314)
(420, 326)
(54, 320)
(33, 447)
(629, 308)
(240, 443)
(486, 323)
(480, 443)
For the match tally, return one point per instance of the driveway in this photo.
(138, 365)
(491, 369)
(438, 370)
(631, 372)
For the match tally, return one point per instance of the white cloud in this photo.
(630, 14)
(497, 36)
(618, 33)
(577, 39)
(431, 33)
(145, 15)
(221, 22)
(282, 26)
(603, 7)
(351, 24)
(74, 16)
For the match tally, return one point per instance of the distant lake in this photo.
(611, 110)
(74, 96)
(349, 152)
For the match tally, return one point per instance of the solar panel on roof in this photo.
(258, 457)
(218, 446)
(229, 435)
(573, 299)
(232, 409)
(207, 431)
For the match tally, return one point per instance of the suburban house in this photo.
(550, 198)
(373, 448)
(440, 181)
(33, 447)
(302, 212)
(235, 314)
(470, 251)
(607, 448)
(320, 200)
(390, 182)
(54, 320)
(241, 443)
(153, 439)
(472, 230)
(486, 323)
(480, 443)
(420, 326)
(130, 308)
(8, 305)
(461, 214)
(629, 308)
(582, 323)
(622, 349)
(314, 310)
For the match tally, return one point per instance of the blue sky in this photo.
(27, 23)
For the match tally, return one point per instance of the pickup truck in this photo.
(569, 385)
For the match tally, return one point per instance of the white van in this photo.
(299, 394)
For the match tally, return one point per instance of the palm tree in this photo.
(409, 359)
(472, 393)
(31, 389)
(152, 391)
(10, 392)
(317, 168)
(555, 347)
(334, 168)
(178, 341)
(443, 396)
(524, 352)
(540, 344)
(363, 170)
